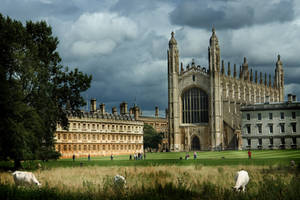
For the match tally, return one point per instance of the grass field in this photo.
(163, 176)
(208, 158)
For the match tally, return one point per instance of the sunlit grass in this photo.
(95, 177)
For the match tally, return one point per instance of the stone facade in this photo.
(98, 133)
(204, 103)
(271, 125)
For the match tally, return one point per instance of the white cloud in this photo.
(99, 33)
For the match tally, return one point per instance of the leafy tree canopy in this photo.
(34, 90)
(151, 138)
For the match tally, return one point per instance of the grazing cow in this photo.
(119, 181)
(241, 180)
(25, 178)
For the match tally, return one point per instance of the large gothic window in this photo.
(194, 106)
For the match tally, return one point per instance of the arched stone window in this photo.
(194, 106)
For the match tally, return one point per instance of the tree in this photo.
(151, 138)
(34, 90)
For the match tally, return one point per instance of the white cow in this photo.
(119, 181)
(25, 178)
(241, 180)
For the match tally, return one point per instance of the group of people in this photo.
(138, 156)
(187, 156)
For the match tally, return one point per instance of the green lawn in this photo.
(209, 158)
(202, 155)
(262, 157)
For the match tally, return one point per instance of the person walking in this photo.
(249, 154)
(73, 157)
(89, 157)
(111, 157)
(195, 155)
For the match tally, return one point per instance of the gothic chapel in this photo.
(204, 104)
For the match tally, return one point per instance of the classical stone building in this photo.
(204, 103)
(98, 133)
(271, 125)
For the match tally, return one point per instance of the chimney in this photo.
(123, 108)
(294, 98)
(114, 111)
(93, 105)
(290, 98)
(156, 111)
(136, 112)
(102, 108)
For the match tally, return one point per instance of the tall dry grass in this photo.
(97, 179)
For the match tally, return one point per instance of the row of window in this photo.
(271, 142)
(97, 147)
(79, 136)
(270, 126)
(104, 127)
(271, 116)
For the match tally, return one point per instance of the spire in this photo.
(181, 67)
(270, 81)
(245, 69)
(256, 76)
(229, 71)
(234, 70)
(251, 75)
(265, 78)
(278, 61)
(222, 69)
(213, 38)
(214, 53)
(172, 41)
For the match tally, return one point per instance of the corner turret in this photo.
(214, 52)
(279, 78)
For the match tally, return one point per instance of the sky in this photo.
(123, 43)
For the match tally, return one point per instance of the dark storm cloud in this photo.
(133, 6)
(123, 43)
(43, 9)
(231, 14)
(31, 10)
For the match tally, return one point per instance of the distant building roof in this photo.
(85, 114)
(272, 106)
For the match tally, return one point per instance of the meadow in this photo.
(163, 176)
